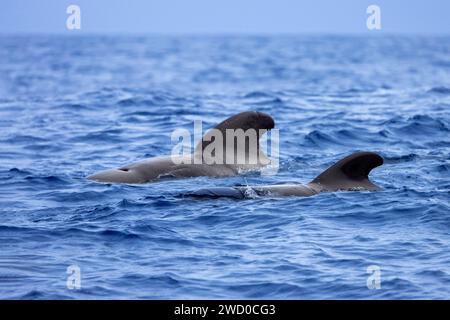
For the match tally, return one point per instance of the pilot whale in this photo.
(178, 166)
(350, 173)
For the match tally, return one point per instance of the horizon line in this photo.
(71, 33)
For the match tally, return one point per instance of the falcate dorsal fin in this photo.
(352, 172)
(246, 121)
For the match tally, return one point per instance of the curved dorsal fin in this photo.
(259, 121)
(352, 172)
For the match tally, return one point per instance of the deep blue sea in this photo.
(71, 106)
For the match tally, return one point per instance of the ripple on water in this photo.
(148, 241)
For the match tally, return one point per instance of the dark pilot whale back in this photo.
(165, 167)
(249, 120)
(350, 173)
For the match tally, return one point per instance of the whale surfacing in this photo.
(350, 173)
(182, 167)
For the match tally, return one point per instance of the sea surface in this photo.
(74, 105)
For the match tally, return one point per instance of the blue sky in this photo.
(225, 16)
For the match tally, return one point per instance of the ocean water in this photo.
(71, 106)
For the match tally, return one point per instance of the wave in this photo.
(440, 90)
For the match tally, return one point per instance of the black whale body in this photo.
(153, 169)
(350, 173)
